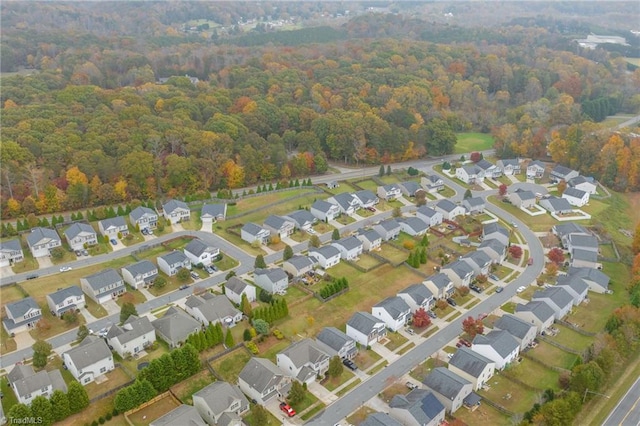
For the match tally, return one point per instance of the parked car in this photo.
(195, 276)
(475, 288)
(371, 209)
(410, 331)
(78, 253)
(515, 225)
(209, 270)
(411, 385)
(465, 342)
(521, 289)
(32, 277)
(350, 364)
(530, 261)
(144, 231)
(113, 241)
(287, 409)
(499, 290)
(183, 287)
(85, 252)
(65, 268)
(311, 231)
(494, 277)
(432, 314)
(451, 301)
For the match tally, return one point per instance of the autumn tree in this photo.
(562, 185)
(472, 327)
(515, 251)
(551, 270)
(314, 241)
(421, 318)
(475, 157)
(502, 190)
(556, 255)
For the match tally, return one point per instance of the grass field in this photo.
(553, 356)
(230, 365)
(572, 339)
(470, 142)
(509, 394)
(392, 253)
(115, 378)
(484, 415)
(395, 341)
(185, 389)
(154, 411)
(270, 421)
(535, 375)
(335, 382)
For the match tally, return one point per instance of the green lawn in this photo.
(367, 261)
(572, 339)
(9, 399)
(185, 389)
(368, 184)
(553, 356)
(395, 341)
(484, 415)
(344, 219)
(393, 254)
(308, 400)
(422, 370)
(271, 419)
(447, 192)
(335, 382)
(230, 365)
(470, 142)
(535, 375)
(509, 394)
(227, 262)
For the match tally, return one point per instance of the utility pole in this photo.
(586, 391)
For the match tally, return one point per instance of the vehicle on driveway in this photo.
(475, 288)
(287, 409)
(195, 276)
(114, 242)
(465, 342)
(371, 209)
(530, 261)
(350, 364)
(65, 268)
(432, 314)
(411, 385)
(451, 301)
(410, 331)
(85, 252)
(521, 289)
(209, 270)
(494, 277)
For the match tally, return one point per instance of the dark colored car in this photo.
(32, 277)
(451, 301)
(475, 288)
(350, 364)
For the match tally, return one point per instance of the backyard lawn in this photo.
(393, 254)
(470, 142)
(154, 411)
(535, 375)
(366, 261)
(114, 378)
(571, 339)
(551, 355)
(230, 365)
(193, 384)
(484, 415)
(509, 394)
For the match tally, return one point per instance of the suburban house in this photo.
(302, 219)
(66, 299)
(430, 216)
(393, 311)
(89, 360)
(337, 343)
(474, 205)
(440, 285)
(10, 252)
(479, 262)
(413, 226)
(449, 210)
(274, 280)
(171, 263)
(535, 170)
(576, 197)
(419, 407)
(199, 252)
(103, 286)
(522, 199)
(497, 345)
(509, 166)
(584, 258)
(380, 419)
(176, 211)
(182, 415)
(221, 404)
(113, 226)
(564, 230)
(175, 326)
(303, 360)
(252, 233)
(585, 184)
(346, 202)
(298, 266)
(261, 380)
(132, 337)
(388, 229)
(575, 286)
(139, 274)
(538, 313)
(459, 272)
(409, 188)
(366, 198)
(370, 239)
(556, 205)
(493, 248)
(21, 315)
(417, 296)
(594, 278)
(557, 298)
(496, 232)
(470, 173)
(389, 192)
(279, 225)
(365, 329)
(27, 384)
(523, 331)
(490, 170)
(432, 183)
(80, 235)
(325, 211)
(350, 247)
(144, 218)
(562, 173)
(235, 287)
(211, 213)
(42, 240)
(326, 256)
(333, 184)
(450, 389)
(211, 309)
(472, 366)
(581, 242)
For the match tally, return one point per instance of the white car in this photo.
(65, 268)
(521, 289)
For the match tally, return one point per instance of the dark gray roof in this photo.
(115, 222)
(176, 325)
(91, 350)
(366, 196)
(394, 305)
(539, 308)
(460, 267)
(276, 222)
(305, 351)
(514, 325)
(326, 251)
(197, 247)
(558, 204)
(213, 308)
(576, 283)
(300, 217)
(220, 395)
(586, 255)
(509, 162)
(20, 371)
(391, 187)
(478, 257)
(420, 403)
(501, 341)
(40, 380)
(484, 164)
(140, 211)
(471, 169)
(380, 419)
(525, 195)
(349, 243)
(322, 206)
(21, 307)
(300, 262)
(536, 163)
(174, 257)
(491, 228)
(78, 228)
(184, 415)
(564, 229)
(440, 280)
(141, 268)
(236, 285)
(261, 374)
(558, 295)
(579, 180)
(364, 322)
(370, 234)
(582, 240)
(389, 224)
(446, 205)
(344, 200)
(427, 211)
(469, 361)
(60, 295)
(333, 338)
(445, 382)
(574, 192)
(252, 228)
(494, 245)
(274, 274)
(410, 186)
(10, 245)
(132, 328)
(418, 225)
(560, 170)
(418, 292)
(214, 210)
(434, 179)
(474, 201)
(39, 234)
(171, 205)
(591, 274)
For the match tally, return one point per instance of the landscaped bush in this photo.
(409, 245)
(253, 348)
(335, 287)
(278, 334)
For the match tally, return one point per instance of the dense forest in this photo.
(91, 125)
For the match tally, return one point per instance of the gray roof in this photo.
(558, 295)
(420, 403)
(371, 235)
(446, 205)
(349, 243)
(333, 338)
(471, 169)
(220, 395)
(560, 170)
(366, 196)
(394, 305)
(132, 328)
(380, 419)
(10, 245)
(564, 229)
(484, 164)
(491, 228)
(20, 371)
(474, 201)
(141, 268)
(501, 341)
(579, 180)
(171, 205)
(514, 325)
(213, 308)
(344, 199)
(78, 228)
(39, 234)
(445, 382)
(469, 361)
(274, 274)
(509, 162)
(322, 206)
(434, 179)
(586, 255)
(40, 380)
(176, 325)
(460, 267)
(91, 350)
(184, 415)
(391, 187)
(574, 192)
(576, 283)
(261, 374)
(525, 195)
(410, 186)
(62, 294)
(140, 211)
(305, 351)
(389, 224)
(418, 292)
(494, 245)
(418, 225)
(427, 211)
(103, 279)
(536, 163)
(215, 210)
(300, 262)
(582, 240)
(440, 280)
(300, 217)
(236, 285)
(21, 307)
(558, 204)
(591, 274)
(174, 257)
(539, 308)
(478, 257)
(197, 247)
(252, 228)
(326, 251)
(364, 322)
(276, 222)
(115, 222)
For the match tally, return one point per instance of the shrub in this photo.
(94, 423)
(278, 334)
(253, 348)
(108, 416)
(409, 245)
(101, 420)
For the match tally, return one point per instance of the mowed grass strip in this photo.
(469, 142)
(553, 356)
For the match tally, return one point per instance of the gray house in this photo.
(325, 211)
(66, 299)
(346, 202)
(303, 219)
(103, 286)
(418, 408)
(366, 329)
(10, 252)
(556, 205)
(113, 226)
(389, 192)
(523, 331)
(479, 261)
(132, 337)
(472, 366)
(21, 315)
(253, 233)
(211, 309)
(262, 380)
(303, 360)
(213, 212)
(417, 296)
(176, 211)
(298, 266)
(326, 256)
(80, 234)
(171, 263)
(42, 240)
(450, 389)
(281, 226)
(562, 173)
(495, 231)
(175, 326)
(89, 360)
(575, 286)
(367, 198)
(493, 248)
(235, 288)
(335, 342)
(585, 258)
(522, 199)
(27, 384)
(413, 226)
(459, 272)
(509, 166)
(144, 218)
(350, 247)
(139, 274)
(432, 183)
(409, 188)
(429, 216)
(497, 345)
(221, 404)
(535, 170)
(370, 238)
(200, 252)
(393, 311)
(449, 210)
(380, 419)
(595, 279)
(181, 416)
(440, 285)
(388, 229)
(274, 281)
(474, 205)
(538, 313)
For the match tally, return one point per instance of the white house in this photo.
(479, 261)
(303, 360)
(413, 226)
(144, 218)
(389, 192)
(139, 274)
(337, 343)
(27, 384)
(89, 360)
(450, 389)
(66, 299)
(472, 366)
(213, 212)
(493, 248)
(366, 198)
(350, 247)
(417, 296)
(21, 315)
(576, 197)
(524, 332)
(366, 329)
(494, 231)
(132, 337)
(440, 285)
(42, 240)
(583, 184)
(326, 256)
(172, 262)
(103, 286)
(497, 345)
(182, 415)
(297, 266)
(470, 174)
(370, 238)
(596, 280)
(176, 211)
(459, 272)
(490, 170)
(474, 205)
(562, 173)
(522, 199)
(261, 380)
(199, 252)
(302, 219)
(430, 216)
(432, 183)
(346, 202)
(235, 288)
(538, 313)
(10, 252)
(584, 258)
(388, 229)
(556, 205)
(274, 281)
(221, 403)
(80, 235)
(325, 211)
(449, 210)
(113, 226)
(535, 170)
(252, 233)
(211, 309)
(393, 311)
(281, 226)
(509, 166)
(558, 298)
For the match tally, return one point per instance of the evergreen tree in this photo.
(287, 252)
(260, 263)
(60, 404)
(127, 310)
(41, 408)
(41, 352)
(246, 335)
(467, 194)
(335, 235)
(296, 393)
(121, 211)
(19, 411)
(219, 333)
(78, 398)
(425, 241)
(423, 256)
(389, 170)
(228, 339)
(381, 171)
(270, 187)
(335, 367)
(245, 305)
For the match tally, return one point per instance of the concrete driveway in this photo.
(44, 262)
(6, 271)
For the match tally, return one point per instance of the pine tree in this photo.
(41, 408)
(60, 404)
(389, 170)
(245, 305)
(335, 235)
(381, 171)
(260, 263)
(228, 339)
(219, 333)
(423, 256)
(78, 398)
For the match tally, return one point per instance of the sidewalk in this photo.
(146, 293)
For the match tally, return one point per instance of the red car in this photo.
(285, 407)
(465, 342)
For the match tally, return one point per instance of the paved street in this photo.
(627, 412)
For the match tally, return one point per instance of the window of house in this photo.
(103, 369)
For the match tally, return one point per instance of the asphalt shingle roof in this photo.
(38, 235)
(114, 222)
(10, 245)
(139, 212)
(539, 308)
(62, 294)
(364, 322)
(252, 229)
(172, 205)
(174, 257)
(440, 280)
(420, 403)
(261, 374)
(469, 361)
(445, 382)
(274, 274)
(141, 268)
(326, 251)
(78, 228)
(514, 325)
(446, 205)
(394, 305)
(322, 206)
(501, 341)
(91, 350)
(184, 415)
(349, 243)
(21, 307)
(333, 338)
(591, 274)
(214, 210)
(176, 325)
(418, 292)
(103, 279)
(301, 262)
